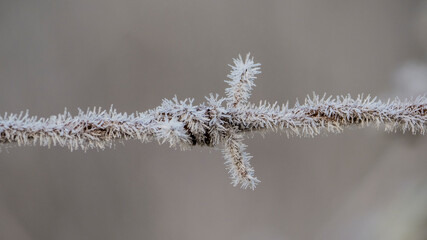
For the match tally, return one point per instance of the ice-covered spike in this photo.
(238, 162)
(241, 81)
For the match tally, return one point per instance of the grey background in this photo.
(362, 184)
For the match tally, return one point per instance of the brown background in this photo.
(362, 184)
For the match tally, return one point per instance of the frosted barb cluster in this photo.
(184, 125)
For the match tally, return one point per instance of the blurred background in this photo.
(362, 184)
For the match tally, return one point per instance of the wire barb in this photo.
(237, 161)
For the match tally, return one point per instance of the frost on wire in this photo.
(216, 122)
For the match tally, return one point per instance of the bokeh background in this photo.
(362, 184)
